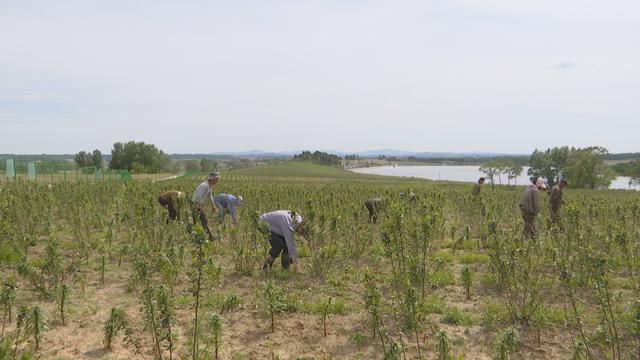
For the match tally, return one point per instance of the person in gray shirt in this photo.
(374, 206)
(530, 207)
(199, 199)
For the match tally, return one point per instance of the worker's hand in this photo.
(294, 262)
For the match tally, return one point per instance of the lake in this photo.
(466, 173)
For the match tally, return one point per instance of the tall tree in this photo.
(549, 164)
(498, 167)
(512, 170)
(490, 170)
(96, 158)
(587, 168)
(82, 159)
(86, 159)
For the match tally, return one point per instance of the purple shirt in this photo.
(281, 223)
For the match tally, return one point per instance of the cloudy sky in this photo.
(208, 76)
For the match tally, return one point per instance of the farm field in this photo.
(93, 271)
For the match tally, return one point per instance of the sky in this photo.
(214, 76)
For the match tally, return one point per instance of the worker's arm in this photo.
(215, 208)
(291, 244)
(534, 201)
(234, 213)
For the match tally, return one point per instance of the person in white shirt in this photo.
(283, 225)
(199, 198)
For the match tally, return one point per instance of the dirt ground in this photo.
(247, 334)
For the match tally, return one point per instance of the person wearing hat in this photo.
(283, 225)
(374, 206)
(530, 206)
(477, 186)
(411, 197)
(226, 202)
(199, 198)
(555, 201)
(171, 200)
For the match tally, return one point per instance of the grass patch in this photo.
(337, 307)
(432, 304)
(548, 316)
(443, 256)
(488, 280)
(8, 256)
(473, 258)
(495, 313)
(442, 278)
(454, 316)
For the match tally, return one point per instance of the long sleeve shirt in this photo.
(229, 202)
(281, 223)
(529, 200)
(203, 191)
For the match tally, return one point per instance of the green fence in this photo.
(58, 172)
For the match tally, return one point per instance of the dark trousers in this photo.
(279, 246)
(167, 202)
(373, 211)
(197, 212)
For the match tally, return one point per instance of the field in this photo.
(93, 270)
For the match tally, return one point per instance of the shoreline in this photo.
(463, 175)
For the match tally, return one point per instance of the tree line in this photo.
(585, 167)
(133, 156)
(630, 169)
(319, 157)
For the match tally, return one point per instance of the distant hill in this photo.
(362, 154)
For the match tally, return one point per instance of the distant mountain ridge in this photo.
(364, 154)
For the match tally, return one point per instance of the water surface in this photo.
(463, 173)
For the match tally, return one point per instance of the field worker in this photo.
(374, 206)
(555, 201)
(530, 207)
(226, 202)
(412, 198)
(283, 224)
(477, 187)
(171, 200)
(199, 198)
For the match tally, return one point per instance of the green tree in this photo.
(85, 159)
(319, 157)
(82, 159)
(498, 167)
(208, 164)
(96, 159)
(634, 172)
(549, 164)
(587, 168)
(513, 170)
(584, 166)
(630, 169)
(139, 157)
(490, 169)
